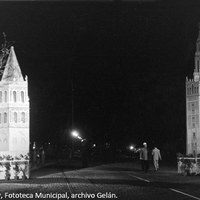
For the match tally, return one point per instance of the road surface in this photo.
(111, 181)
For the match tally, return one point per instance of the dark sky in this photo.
(128, 62)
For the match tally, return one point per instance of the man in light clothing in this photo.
(156, 157)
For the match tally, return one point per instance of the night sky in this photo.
(128, 62)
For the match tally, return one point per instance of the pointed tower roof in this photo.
(12, 71)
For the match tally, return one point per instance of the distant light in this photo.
(94, 145)
(131, 147)
(34, 145)
(49, 143)
(75, 134)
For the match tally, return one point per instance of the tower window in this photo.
(15, 117)
(23, 117)
(5, 97)
(22, 96)
(14, 96)
(5, 117)
(192, 106)
(193, 119)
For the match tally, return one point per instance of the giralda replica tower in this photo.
(193, 106)
(14, 107)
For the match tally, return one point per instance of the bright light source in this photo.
(94, 145)
(131, 147)
(34, 145)
(75, 134)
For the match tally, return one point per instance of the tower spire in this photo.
(14, 109)
(192, 105)
(12, 71)
(197, 57)
(4, 52)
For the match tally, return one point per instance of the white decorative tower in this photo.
(14, 109)
(193, 106)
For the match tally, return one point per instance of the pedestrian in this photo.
(144, 157)
(156, 157)
(38, 157)
(42, 156)
(34, 157)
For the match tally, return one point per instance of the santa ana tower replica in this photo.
(193, 106)
(14, 111)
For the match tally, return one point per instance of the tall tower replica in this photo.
(14, 108)
(193, 106)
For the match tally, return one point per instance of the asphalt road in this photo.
(112, 181)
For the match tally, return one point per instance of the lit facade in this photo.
(193, 106)
(14, 110)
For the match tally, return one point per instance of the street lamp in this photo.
(131, 147)
(75, 133)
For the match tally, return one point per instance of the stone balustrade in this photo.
(14, 169)
(188, 165)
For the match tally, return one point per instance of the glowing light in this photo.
(131, 147)
(34, 145)
(75, 134)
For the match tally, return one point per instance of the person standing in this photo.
(144, 157)
(156, 157)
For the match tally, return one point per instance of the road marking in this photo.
(69, 187)
(177, 191)
(184, 194)
(68, 183)
(140, 178)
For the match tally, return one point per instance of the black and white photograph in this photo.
(100, 99)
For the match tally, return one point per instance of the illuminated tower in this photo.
(193, 106)
(14, 108)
